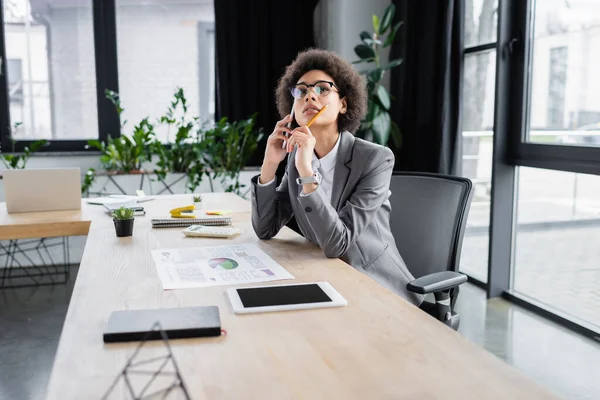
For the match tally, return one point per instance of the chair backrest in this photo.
(428, 219)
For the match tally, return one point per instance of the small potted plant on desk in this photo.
(123, 219)
(197, 199)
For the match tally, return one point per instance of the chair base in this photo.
(453, 322)
(450, 319)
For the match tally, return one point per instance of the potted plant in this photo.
(125, 154)
(19, 161)
(226, 149)
(123, 219)
(197, 200)
(377, 124)
(182, 154)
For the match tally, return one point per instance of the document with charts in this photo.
(193, 267)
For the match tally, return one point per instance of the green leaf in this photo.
(384, 97)
(372, 111)
(35, 146)
(123, 213)
(381, 127)
(95, 144)
(88, 180)
(388, 16)
(364, 51)
(376, 24)
(390, 39)
(8, 160)
(392, 64)
(365, 35)
(14, 161)
(376, 74)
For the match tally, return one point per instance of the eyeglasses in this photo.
(322, 89)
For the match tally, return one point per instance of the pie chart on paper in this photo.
(225, 263)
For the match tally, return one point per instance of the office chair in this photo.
(429, 214)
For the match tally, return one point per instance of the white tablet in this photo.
(299, 296)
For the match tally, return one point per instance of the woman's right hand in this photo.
(275, 151)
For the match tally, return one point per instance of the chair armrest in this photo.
(436, 282)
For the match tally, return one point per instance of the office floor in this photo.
(566, 363)
(31, 320)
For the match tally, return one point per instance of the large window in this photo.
(480, 22)
(478, 129)
(478, 122)
(60, 56)
(565, 85)
(557, 252)
(15, 80)
(163, 46)
(50, 71)
(545, 202)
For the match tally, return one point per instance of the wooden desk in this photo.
(378, 347)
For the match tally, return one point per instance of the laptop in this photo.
(51, 189)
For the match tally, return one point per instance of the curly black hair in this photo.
(350, 83)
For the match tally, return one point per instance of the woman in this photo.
(337, 186)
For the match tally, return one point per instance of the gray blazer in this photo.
(355, 226)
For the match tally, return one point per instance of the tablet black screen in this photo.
(282, 295)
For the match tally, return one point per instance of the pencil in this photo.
(316, 115)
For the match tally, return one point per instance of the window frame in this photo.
(105, 54)
(581, 159)
(474, 51)
(512, 150)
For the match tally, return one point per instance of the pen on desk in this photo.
(316, 115)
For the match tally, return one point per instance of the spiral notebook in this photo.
(184, 222)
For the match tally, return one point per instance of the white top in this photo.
(327, 168)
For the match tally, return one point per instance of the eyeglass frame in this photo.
(333, 85)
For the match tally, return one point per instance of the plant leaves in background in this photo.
(372, 111)
(392, 64)
(387, 18)
(384, 97)
(381, 128)
(376, 75)
(376, 24)
(390, 39)
(365, 52)
(377, 124)
(365, 35)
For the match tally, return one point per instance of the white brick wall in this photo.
(158, 50)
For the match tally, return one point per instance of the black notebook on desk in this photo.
(178, 323)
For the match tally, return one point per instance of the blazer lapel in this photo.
(342, 168)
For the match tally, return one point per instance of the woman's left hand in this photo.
(305, 140)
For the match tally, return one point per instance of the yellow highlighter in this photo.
(217, 212)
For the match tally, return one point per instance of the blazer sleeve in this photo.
(271, 208)
(336, 232)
